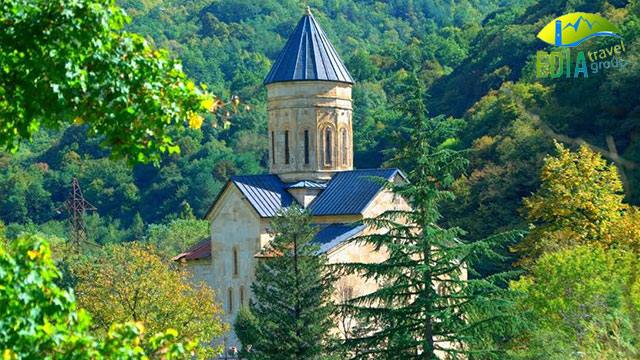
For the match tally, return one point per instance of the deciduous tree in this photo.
(581, 293)
(70, 62)
(131, 282)
(40, 320)
(580, 202)
(581, 302)
(177, 236)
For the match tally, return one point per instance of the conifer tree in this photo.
(290, 317)
(425, 308)
(136, 230)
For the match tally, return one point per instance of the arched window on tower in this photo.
(286, 146)
(230, 300)
(306, 147)
(235, 262)
(241, 295)
(273, 148)
(343, 138)
(327, 146)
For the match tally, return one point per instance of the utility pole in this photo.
(76, 207)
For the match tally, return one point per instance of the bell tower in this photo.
(309, 107)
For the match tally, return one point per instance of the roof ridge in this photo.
(348, 192)
(381, 168)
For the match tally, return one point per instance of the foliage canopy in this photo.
(130, 282)
(38, 319)
(70, 63)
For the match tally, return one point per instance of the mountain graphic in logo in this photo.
(573, 29)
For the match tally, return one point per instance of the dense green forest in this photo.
(523, 237)
(476, 57)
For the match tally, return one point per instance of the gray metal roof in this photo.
(308, 55)
(329, 236)
(266, 193)
(350, 192)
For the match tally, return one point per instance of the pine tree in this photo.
(425, 307)
(186, 211)
(136, 230)
(291, 311)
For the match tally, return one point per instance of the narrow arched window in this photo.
(241, 295)
(273, 148)
(327, 146)
(347, 293)
(230, 299)
(343, 135)
(235, 262)
(286, 146)
(306, 147)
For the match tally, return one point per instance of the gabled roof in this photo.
(333, 235)
(308, 55)
(266, 193)
(347, 193)
(201, 250)
(350, 192)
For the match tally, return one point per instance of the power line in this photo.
(76, 207)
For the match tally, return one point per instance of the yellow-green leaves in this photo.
(40, 320)
(580, 300)
(84, 70)
(580, 202)
(581, 294)
(8, 354)
(208, 104)
(195, 121)
(134, 284)
(48, 328)
(32, 254)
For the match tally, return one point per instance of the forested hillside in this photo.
(476, 57)
(522, 238)
(512, 119)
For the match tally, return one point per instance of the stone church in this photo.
(310, 136)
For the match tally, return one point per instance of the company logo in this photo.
(573, 29)
(569, 31)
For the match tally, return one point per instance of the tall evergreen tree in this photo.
(290, 317)
(136, 230)
(425, 307)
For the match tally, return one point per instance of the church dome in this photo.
(308, 55)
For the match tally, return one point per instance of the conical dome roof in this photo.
(308, 55)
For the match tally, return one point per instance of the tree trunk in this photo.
(428, 328)
(299, 351)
